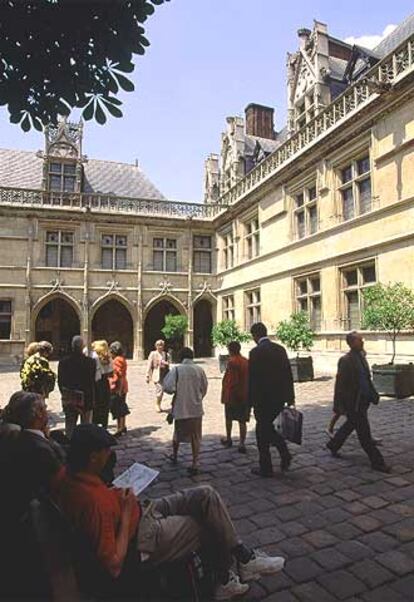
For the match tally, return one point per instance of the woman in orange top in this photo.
(234, 395)
(119, 387)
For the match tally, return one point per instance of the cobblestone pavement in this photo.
(347, 532)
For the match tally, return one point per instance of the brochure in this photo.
(137, 477)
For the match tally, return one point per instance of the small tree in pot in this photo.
(390, 308)
(174, 329)
(297, 334)
(222, 334)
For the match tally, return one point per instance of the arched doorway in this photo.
(113, 322)
(203, 323)
(57, 322)
(154, 322)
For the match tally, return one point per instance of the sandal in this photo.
(173, 459)
(242, 449)
(193, 471)
(226, 442)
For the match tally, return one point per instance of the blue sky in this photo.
(209, 59)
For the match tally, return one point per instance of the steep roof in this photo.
(403, 31)
(24, 169)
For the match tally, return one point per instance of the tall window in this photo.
(5, 318)
(252, 300)
(114, 251)
(202, 254)
(228, 307)
(59, 249)
(355, 188)
(306, 212)
(354, 280)
(62, 177)
(252, 238)
(228, 250)
(164, 254)
(308, 298)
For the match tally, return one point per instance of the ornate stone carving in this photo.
(57, 283)
(165, 286)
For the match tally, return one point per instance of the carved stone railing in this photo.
(377, 79)
(105, 203)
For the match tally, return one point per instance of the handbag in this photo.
(289, 423)
(73, 399)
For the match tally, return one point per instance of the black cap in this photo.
(91, 437)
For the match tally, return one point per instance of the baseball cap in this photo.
(91, 437)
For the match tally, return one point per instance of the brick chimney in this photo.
(259, 121)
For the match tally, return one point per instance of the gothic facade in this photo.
(305, 217)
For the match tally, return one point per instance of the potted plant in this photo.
(222, 334)
(390, 308)
(297, 334)
(174, 329)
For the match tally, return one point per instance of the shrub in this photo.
(226, 331)
(296, 333)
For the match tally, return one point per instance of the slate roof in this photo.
(24, 169)
(403, 31)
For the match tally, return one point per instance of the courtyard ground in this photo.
(347, 532)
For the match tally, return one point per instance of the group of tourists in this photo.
(91, 384)
(76, 469)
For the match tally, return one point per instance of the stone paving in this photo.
(347, 532)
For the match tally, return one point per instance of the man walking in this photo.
(354, 392)
(76, 380)
(270, 388)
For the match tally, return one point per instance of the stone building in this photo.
(301, 218)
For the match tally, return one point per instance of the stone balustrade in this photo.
(107, 204)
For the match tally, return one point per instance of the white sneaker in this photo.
(260, 564)
(232, 588)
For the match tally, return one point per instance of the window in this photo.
(164, 255)
(252, 238)
(354, 280)
(114, 251)
(59, 249)
(252, 307)
(228, 308)
(355, 188)
(5, 319)
(308, 298)
(228, 250)
(62, 177)
(202, 254)
(306, 212)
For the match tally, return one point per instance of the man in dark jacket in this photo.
(270, 388)
(76, 380)
(354, 392)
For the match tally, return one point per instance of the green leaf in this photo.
(124, 82)
(115, 112)
(25, 123)
(88, 111)
(100, 114)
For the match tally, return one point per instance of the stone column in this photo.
(85, 326)
(28, 281)
(139, 334)
(190, 334)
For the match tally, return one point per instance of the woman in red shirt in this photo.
(234, 395)
(119, 387)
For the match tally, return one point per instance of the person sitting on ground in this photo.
(76, 380)
(157, 368)
(162, 530)
(234, 395)
(118, 383)
(36, 375)
(35, 461)
(188, 383)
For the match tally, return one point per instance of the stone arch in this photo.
(202, 326)
(56, 317)
(154, 315)
(113, 320)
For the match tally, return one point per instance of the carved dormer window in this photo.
(61, 176)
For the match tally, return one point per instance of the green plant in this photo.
(226, 331)
(175, 327)
(58, 54)
(296, 333)
(389, 308)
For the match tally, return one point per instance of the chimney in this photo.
(304, 35)
(259, 121)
